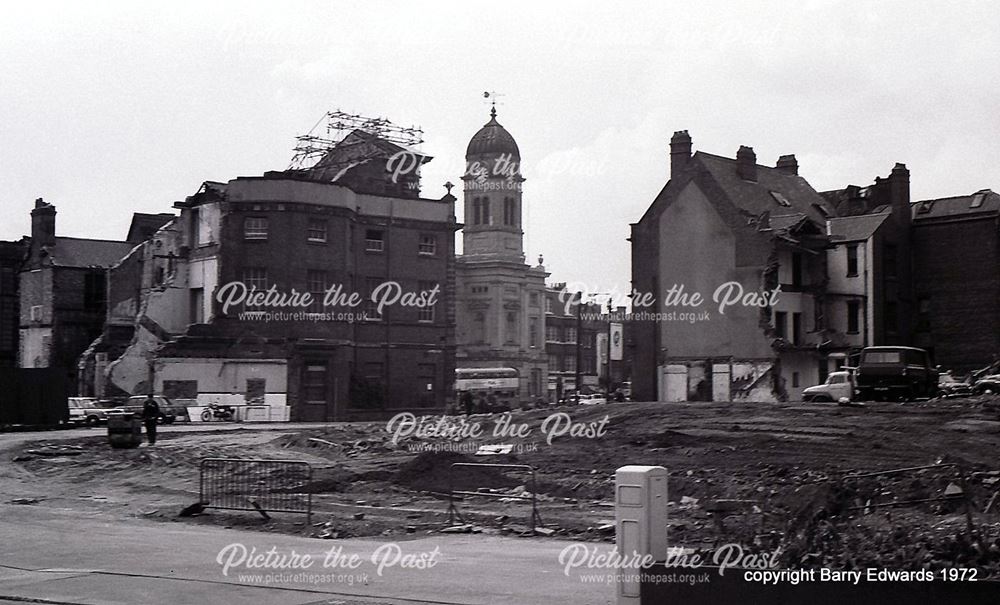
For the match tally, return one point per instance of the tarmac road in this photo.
(59, 556)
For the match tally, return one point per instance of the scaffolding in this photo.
(313, 146)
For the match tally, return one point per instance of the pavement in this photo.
(59, 556)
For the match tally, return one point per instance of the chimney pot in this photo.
(746, 163)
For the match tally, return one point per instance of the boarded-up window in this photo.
(255, 391)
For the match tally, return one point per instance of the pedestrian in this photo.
(150, 416)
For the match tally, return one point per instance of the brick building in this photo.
(62, 294)
(725, 229)
(11, 258)
(295, 232)
(571, 339)
(956, 243)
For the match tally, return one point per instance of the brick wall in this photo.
(957, 268)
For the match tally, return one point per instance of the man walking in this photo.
(150, 415)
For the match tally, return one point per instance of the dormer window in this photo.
(977, 200)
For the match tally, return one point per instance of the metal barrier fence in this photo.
(536, 520)
(256, 485)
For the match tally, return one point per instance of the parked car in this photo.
(84, 410)
(987, 384)
(838, 385)
(948, 386)
(169, 411)
(899, 373)
(593, 399)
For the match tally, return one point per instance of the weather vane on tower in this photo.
(491, 96)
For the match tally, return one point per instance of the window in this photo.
(891, 319)
(255, 278)
(533, 299)
(479, 328)
(795, 379)
(316, 230)
(94, 291)
(853, 316)
(852, 260)
(316, 281)
(780, 321)
(924, 314)
(548, 305)
(570, 334)
(570, 363)
(256, 387)
(255, 227)
(533, 332)
(551, 334)
(371, 309)
(428, 245)
(426, 314)
(374, 241)
(819, 319)
(509, 211)
(977, 200)
(796, 328)
(796, 268)
(890, 265)
(197, 302)
(484, 211)
(512, 328)
(195, 227)
(553, 363)
(925, 207)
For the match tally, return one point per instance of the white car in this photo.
(594, 399)
(84, 410)
(838, 386)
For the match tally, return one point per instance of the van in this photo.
(895, 373)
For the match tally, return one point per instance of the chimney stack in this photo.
(746, 163)
(788, 164)
(43, 225)
(899, 192)
(680, 152)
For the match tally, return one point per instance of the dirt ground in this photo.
(763, 475)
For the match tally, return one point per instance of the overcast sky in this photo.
(113, 109)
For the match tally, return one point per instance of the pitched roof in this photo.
(987, 201)
(856, 228)
(145, 225)
(78, 252)
(759, 196)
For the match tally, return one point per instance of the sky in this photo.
(113, 108)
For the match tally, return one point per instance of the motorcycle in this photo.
(215, 411)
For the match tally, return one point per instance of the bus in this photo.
(492, 389)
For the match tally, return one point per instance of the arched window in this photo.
(486, 212)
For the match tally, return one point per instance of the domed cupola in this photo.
(492, 140)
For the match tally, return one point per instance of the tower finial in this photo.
(493, 110)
